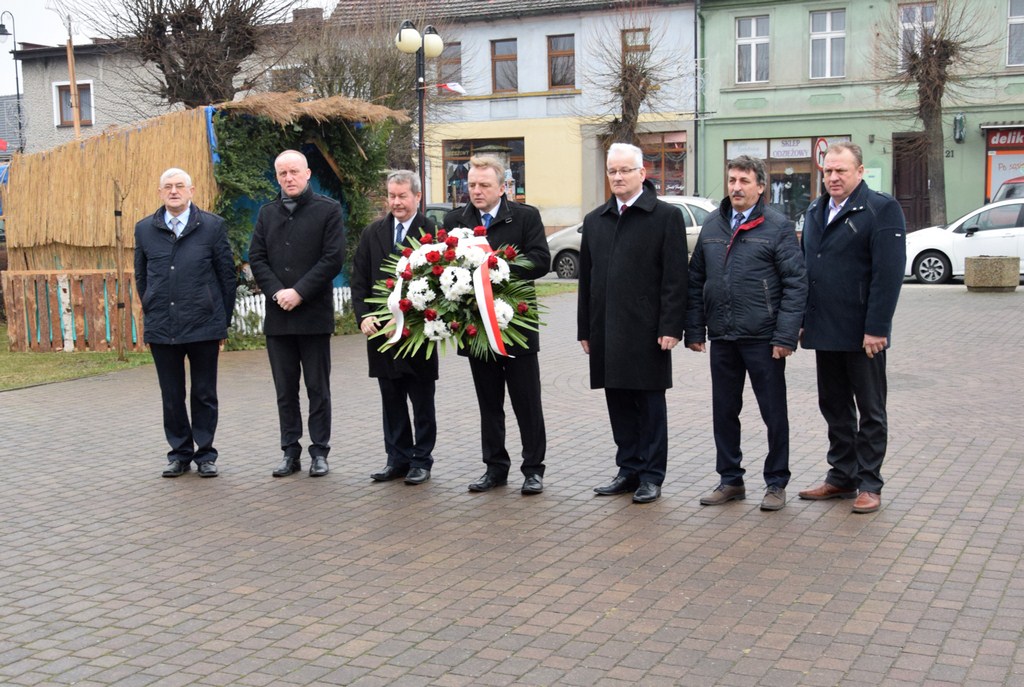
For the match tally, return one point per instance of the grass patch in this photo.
(19, 370)
(550, 288)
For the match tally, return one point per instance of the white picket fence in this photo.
(257, 303)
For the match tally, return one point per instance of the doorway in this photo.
(910, 178)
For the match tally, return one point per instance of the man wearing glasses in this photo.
(632, 308)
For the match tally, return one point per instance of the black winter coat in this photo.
(187, 284)
(375, 244)
(516, 225)
(632, 291)
(303, 250)
(855, 268)
(747, 285)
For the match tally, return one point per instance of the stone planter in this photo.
(991, 273)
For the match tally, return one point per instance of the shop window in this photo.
(561, 61)
(456, 155)
(828, 44)
(504, 66)
(65, 115)
(752, 49)
(1015, 40)
(665, 161)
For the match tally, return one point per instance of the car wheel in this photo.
(567, 265)
(932, 268)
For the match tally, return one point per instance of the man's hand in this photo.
(288, 299)
(586, 346)
(696, 347)
(369, 325)
(874, 344)
(667, 343)
(779, 352)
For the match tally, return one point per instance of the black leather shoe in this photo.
(646, 493)
(389, 473)
(176, 468)
(318, 466)
(619, 485)
(488, 482)
(534, 484)
(289, 465)
(206, 469)
(417, 476)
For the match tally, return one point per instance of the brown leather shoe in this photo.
(867, 502)
(827, 491)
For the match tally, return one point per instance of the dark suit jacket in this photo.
(517, 225)
(303, 250)
(375, 244)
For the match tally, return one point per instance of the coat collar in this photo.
(647, 201)
(471, 216)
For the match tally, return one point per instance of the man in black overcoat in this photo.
(632, 308)
(298, 247)
(519, 225)
(402, 379)
(185, 278)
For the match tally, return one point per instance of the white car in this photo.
(565, 244)
(937, 253)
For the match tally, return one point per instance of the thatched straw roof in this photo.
(285, 108)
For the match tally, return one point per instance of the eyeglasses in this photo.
(621, 172)
(174, 187)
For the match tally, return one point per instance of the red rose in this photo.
(404, 305)
(510, 253)
(406, 252)
(429, 315)
(449, 255)
(405, 331)
(480, 231)
(442, 235)
(454, 326)
(522, 307)
(451, 241)
(427, 238)
(407, 274)
(438, 270)
(471, 330)
(433, 256)
(390, 283)
(492, 261)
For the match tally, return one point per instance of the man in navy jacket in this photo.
(185, 278)
(855, 248)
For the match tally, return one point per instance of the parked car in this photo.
(1009, 189)
(936, 254)
(564, 245)
(437, 211)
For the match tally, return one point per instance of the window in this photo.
(64, 115)
(635, 40)
(456, 154)
(449, 65)
(504, 65)
(752, 49)
(916, 22)
(1015, 45)
(561, 61)
(828, 44)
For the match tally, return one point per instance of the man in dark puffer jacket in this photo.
(747, 291)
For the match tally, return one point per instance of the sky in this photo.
(33, 23)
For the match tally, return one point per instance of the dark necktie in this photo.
(737, 222)
(399, 233)
(486, 218)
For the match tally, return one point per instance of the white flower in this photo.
(419, 256)
(420, 293)
(403, 262)
(436, 330)
(461, 233)
(500, 273)
(472, 256)
(504, 312)
(456, 282)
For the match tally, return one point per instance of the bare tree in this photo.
(931, 50)
(193, 51)
(630, 79)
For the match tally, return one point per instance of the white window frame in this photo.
(828, 37)
(56, 85)
(754, 42)
(1015, 21)
(914, 25)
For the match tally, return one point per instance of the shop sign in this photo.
(1006, 138)
(790, 148)
(754, 148)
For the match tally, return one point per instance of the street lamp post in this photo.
(17, 81)
(429, 44)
